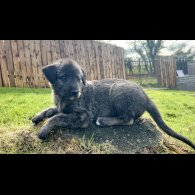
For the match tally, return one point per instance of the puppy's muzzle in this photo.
(75, 95)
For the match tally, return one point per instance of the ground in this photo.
(18, 135)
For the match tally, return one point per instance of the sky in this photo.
(123, 43)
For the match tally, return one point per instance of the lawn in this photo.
(145, 81)
(18, 106)
(177, 109)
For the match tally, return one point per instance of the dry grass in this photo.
(26, 142)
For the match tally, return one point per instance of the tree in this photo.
(147, 51)
(182, 50)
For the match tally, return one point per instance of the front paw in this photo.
(43, 133)
(37, 119)
(101, 122)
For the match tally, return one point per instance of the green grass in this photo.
(18, 106)
(146, 82)
(177, 109)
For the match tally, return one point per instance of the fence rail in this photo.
(21, 60)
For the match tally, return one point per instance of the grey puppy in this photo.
(105, 102)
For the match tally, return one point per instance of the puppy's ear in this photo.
(50, 71)
(83, 76)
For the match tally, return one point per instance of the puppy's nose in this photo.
(74, 93)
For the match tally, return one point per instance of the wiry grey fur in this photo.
(105, 102)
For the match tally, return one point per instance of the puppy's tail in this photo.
(154, 112)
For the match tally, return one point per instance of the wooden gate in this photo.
(166, 71)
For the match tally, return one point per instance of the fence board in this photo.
(87, 60)
(101, 61)
(58, 49)
(62, 49)
(10, 63)
(1, 79)
(122, 62)
(16, 63)
(90, 61)
(39, 63)
(49, 52)
(112, 63)
(22, 62)
(97, 61)
(34, 64)
(44, 59)
(82, 54)
(3, 63)
(28, 62)
(53, 50)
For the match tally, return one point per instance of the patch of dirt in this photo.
(141, 138)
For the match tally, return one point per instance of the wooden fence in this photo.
(21, 60)
(166, 71)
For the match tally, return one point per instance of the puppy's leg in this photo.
(112, 121)
(63, 120)
(59, 120)
(44, 114)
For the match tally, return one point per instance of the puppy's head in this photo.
(66, 78)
